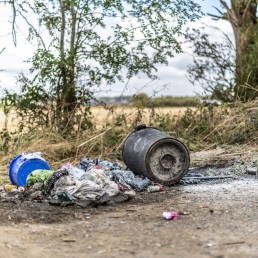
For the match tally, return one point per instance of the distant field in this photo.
(102, 116)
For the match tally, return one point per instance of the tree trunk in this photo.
(67, 69)
(62, 62)
(69, 88)
(242, 17)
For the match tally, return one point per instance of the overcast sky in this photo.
(172, 78)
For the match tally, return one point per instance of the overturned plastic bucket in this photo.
(20, 167)
(154, 154)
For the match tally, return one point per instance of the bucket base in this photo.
(167, 161)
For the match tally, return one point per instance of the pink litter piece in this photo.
(121, 188)
(93, 167)
(170, 215)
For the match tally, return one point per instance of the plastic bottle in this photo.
(21, 189)
(154, 188)
(8, 188)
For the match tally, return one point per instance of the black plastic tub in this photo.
(154, 154)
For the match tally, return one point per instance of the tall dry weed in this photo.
(200, 128)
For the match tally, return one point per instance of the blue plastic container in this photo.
(20, 169)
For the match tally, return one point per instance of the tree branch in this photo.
(246, 9)
(33, 28)
(220, 12)
(1, 51)
(13, 24)
(216, 17)
(225, 5)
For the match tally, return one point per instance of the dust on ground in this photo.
(218, 219)
(221, 221)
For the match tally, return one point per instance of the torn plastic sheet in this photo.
(75, 171)
(129, 180)
(99, 177)
(86, 163)
(85, 189)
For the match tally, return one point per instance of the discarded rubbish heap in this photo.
(152, 158)
(92, 181)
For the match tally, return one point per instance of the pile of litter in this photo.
(92, 182)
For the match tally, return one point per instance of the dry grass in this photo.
(225, 154)
(201, 129)
(102, 116)
(103, 141)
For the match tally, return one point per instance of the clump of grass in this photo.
(103, 144)
(200, 128)
(211, 126)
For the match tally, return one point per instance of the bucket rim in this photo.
(23, 165)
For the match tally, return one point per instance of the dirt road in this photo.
(222, 221)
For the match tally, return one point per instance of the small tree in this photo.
(88, 43)
(140, 100)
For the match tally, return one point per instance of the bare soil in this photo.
(220, 221)
(217, 219)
